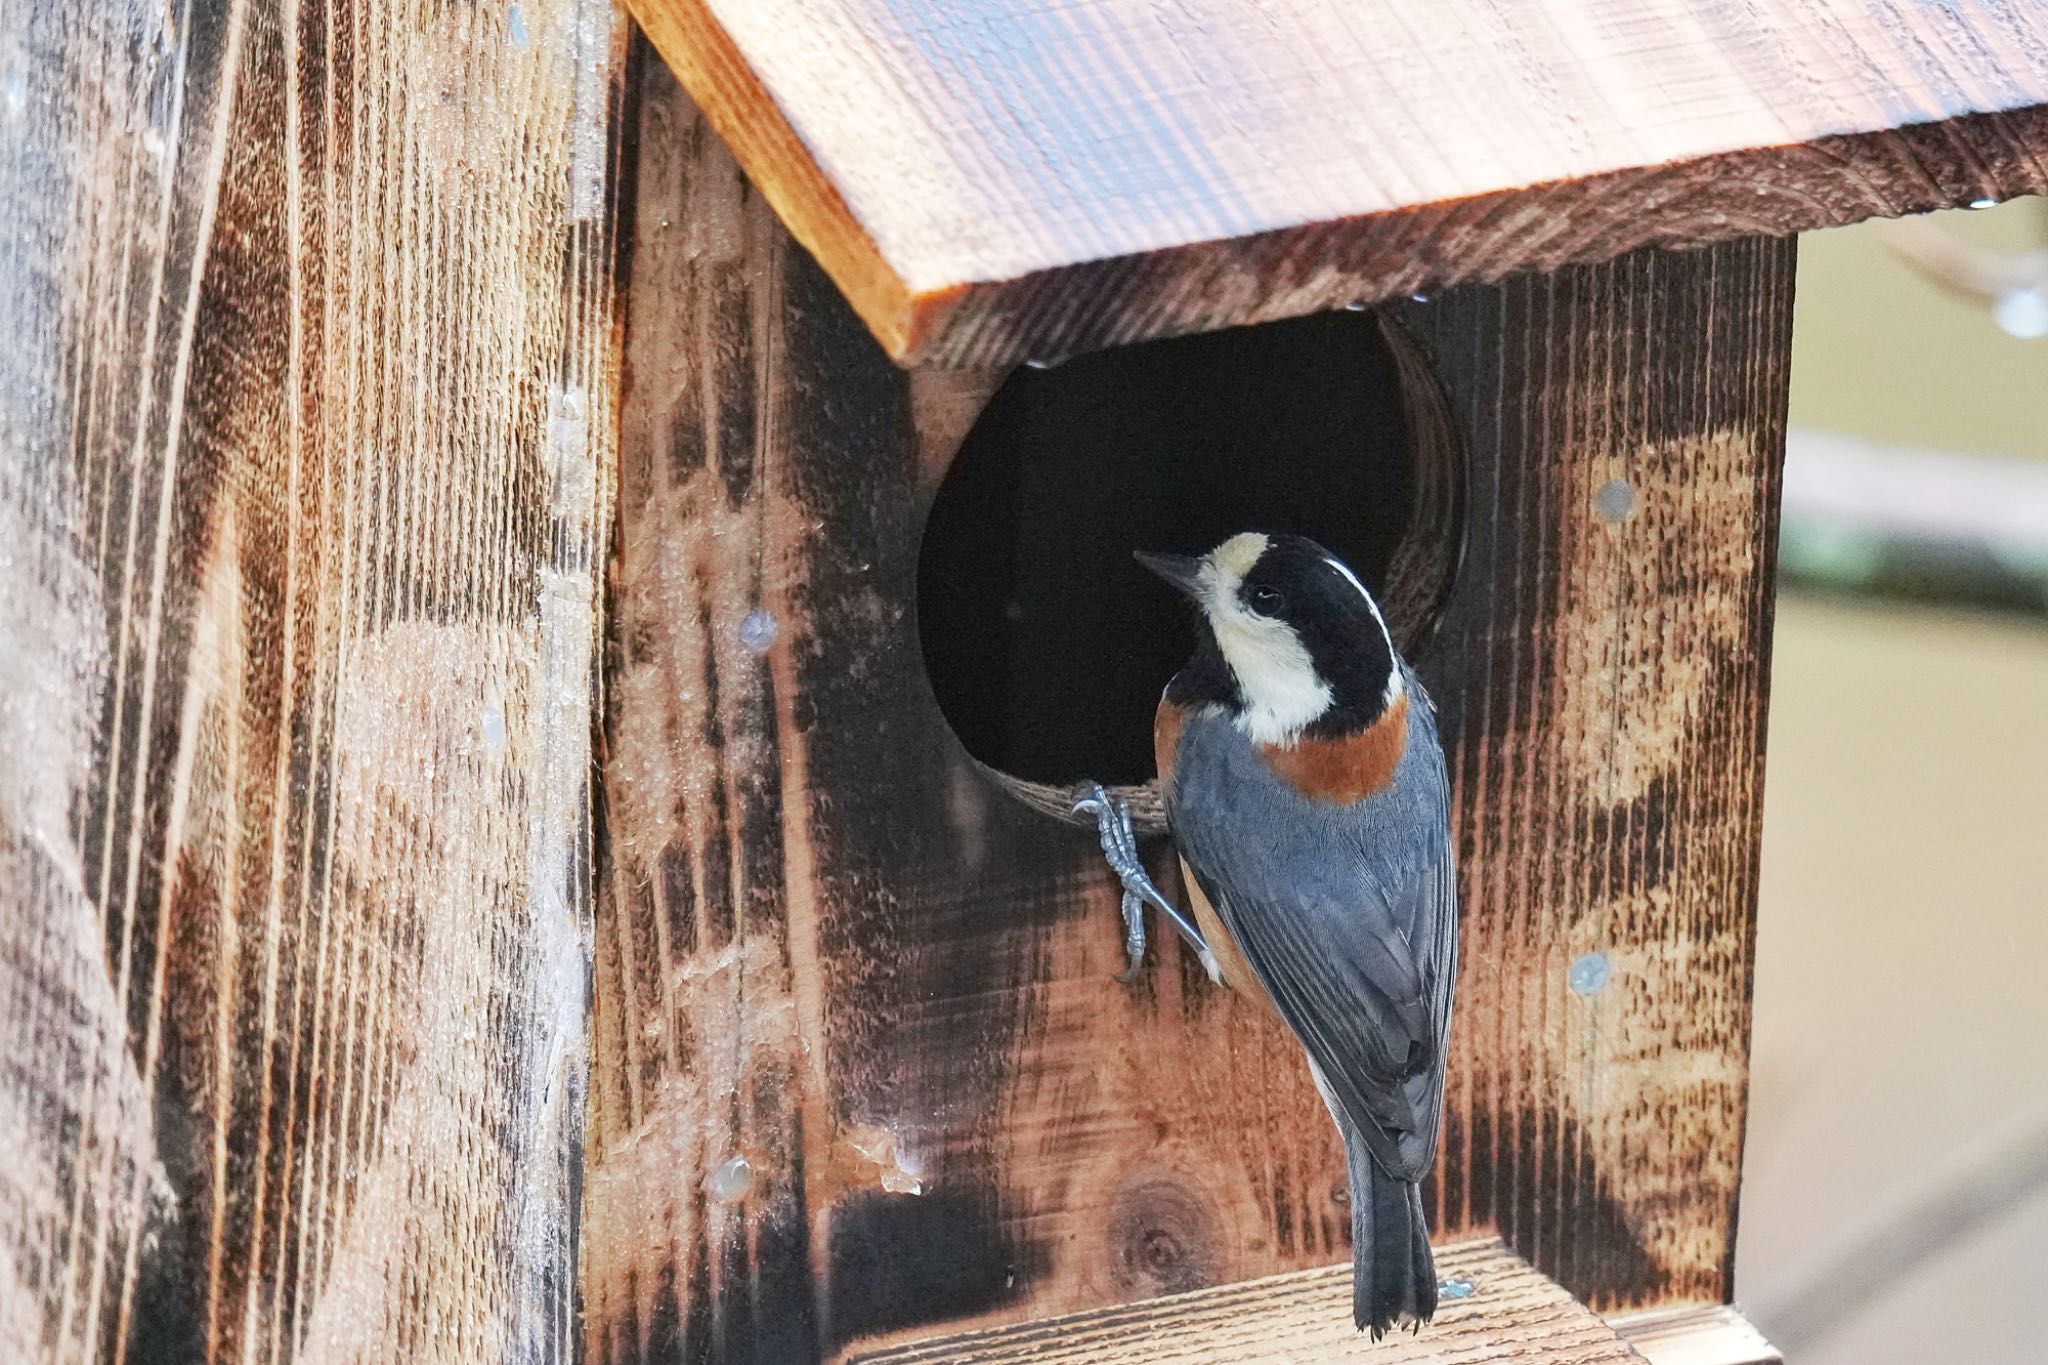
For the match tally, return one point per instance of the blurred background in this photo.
(1896, 1172)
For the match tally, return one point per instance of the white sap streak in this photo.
(590, 47)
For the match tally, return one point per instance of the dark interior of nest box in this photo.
(1045, 643)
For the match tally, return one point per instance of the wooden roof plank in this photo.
(1021, 177)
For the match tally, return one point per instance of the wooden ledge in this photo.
(1696, 1336)
(1512, 1314)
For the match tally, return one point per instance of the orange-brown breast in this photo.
(1166, 727)
(1237, 973)
(1349, 768)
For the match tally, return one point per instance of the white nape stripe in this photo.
(1349, 577)
(1394, 675)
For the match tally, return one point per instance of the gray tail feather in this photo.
(1393, 1276)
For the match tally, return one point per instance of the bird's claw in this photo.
(1134, 937)
(1120, 850)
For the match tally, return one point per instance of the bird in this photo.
(1305, 788)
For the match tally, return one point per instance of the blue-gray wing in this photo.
(1349, 920)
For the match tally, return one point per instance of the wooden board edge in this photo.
(1714, 1335)
(741, 111)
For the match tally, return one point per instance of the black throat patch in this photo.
(1205, 679)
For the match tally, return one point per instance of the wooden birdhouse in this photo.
(421, 944)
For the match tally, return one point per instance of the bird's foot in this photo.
(1120, 850)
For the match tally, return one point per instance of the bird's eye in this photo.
(1268, 601)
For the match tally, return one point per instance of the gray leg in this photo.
(1120, 850)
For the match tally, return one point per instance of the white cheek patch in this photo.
(1281, 690)
(1394, 675)
(1282, 693)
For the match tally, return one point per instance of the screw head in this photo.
(758, 630)
(731, 1180)
(1614, 500)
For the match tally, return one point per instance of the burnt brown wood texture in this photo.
(991, 182)
(304, 479)
(861, 1068)
(1507, 1313)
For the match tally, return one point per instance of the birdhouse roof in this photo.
(990, 180)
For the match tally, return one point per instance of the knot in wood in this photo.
(1165, 1237)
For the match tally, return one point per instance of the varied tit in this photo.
(1305, 787)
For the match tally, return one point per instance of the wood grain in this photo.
(1016, 180)
(307, 446)
(861, 1067)
(1510, 1314)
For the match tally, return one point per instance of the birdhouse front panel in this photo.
(862, 1066)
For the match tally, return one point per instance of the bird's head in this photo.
(1292, 642)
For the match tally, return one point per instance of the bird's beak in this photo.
(1183, 571)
